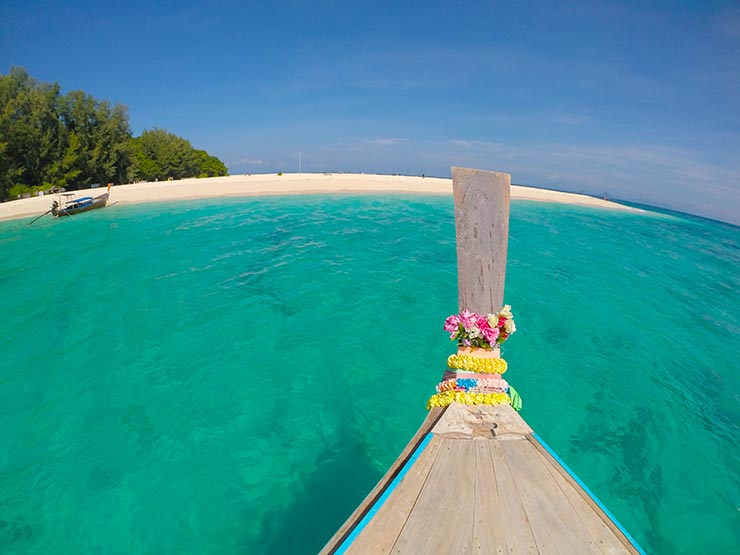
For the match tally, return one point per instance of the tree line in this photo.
(48, 140)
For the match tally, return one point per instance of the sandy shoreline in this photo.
(287, 184)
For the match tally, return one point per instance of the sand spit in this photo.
(287, 184)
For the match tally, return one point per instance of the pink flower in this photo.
(491, 334)
(467, 318)
(501, 322)
(451, 323)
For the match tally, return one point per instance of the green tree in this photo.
(158, 154)
(48, 139)
(75, 140)
(65, 171)
(103, 131)
(30, 130)
(209, 166)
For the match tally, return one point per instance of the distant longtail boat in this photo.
(78, 205)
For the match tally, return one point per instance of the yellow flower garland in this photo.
(477, 364)
(447, 397)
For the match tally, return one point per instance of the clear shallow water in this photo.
(168, 382)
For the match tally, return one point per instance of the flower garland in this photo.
(484, 385)
(470, 329)
(477, 364)
(448, 397)
(462, 385)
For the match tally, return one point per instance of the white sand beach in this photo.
(287, 184)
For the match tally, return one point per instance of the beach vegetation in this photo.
(159, 155)
(210, 166)
(54, 140)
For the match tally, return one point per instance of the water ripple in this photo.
(234, 375)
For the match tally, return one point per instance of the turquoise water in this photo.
(234, 376)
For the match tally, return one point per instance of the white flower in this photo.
(474, 333)
(506, 312)
(509, 326)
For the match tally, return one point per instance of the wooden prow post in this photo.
(482, 229)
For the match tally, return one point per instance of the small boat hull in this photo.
(74, 207)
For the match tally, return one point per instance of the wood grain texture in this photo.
(441, 521)
(336, 540)
(556, 527)
(381, 533)
(519, 536)
(482, 228)
(490, 520)
(602, 536)
(469, 421)
(555, 466)
(488, 495)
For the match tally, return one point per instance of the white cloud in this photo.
(462, 143)
(655, 174)
(388, 141)
(475, 144)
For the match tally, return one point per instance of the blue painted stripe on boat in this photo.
(590, 493)
(384, 497)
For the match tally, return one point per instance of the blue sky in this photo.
(640, 100)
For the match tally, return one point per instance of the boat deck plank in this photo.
(602, 535)
(547, 509)
(489, 523)
(337, 541)
(432, 527)
(494, 492)
(518, 533)
(383, 530)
